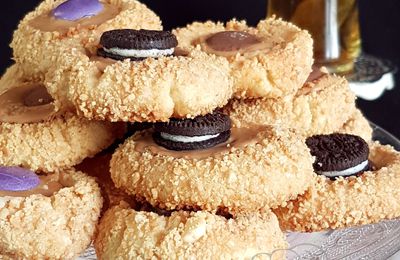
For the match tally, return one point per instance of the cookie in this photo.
(257, 167)
(136, 44)
(154, 89)
(271, 60)
(54, 220)
(338, 154)
(345, 202)
(322, 106)
(36, 136)
(193, 134)
(99, 168)
(55, 27)
(126, 232)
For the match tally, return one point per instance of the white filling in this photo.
(346, 172)
(152, 53)
(187, 139)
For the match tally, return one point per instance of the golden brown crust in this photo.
(265, 173)
(37, 51)
(372, 197)
(275, 73)
(150, 90)
(128, 234)
(56, 227)
(321, 106)
(358, 125)
(54, 145)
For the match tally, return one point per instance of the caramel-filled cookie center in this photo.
(48, 23)
(47, 187)
(230, 43)
(240, 137)
(28, 103)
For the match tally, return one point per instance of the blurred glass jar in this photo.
(333, 24)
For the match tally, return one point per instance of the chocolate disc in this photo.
(228, 41)
(337, 152)
(17, 179)
(28, 103)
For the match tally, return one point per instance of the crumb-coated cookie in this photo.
(357, 125)
(44, 35)
(99, 167)
(257, 167)
(55, 221)
(322, 105)
(344, 202)
(56, 144)
(34, 136)
(270, 60)
(128, 234)
(153, 89)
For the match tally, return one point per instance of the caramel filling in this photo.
(240, 137)
(230, 43)
(47, 187)
(28, 103)
(48, 23)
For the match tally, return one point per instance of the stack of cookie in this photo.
(237, 138)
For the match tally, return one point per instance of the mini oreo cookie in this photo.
(339, 154)
(136, 44)
(192, 134)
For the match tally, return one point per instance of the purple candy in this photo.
(17, 179)
(76, 9)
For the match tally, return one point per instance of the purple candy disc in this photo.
(17, 179)
(72, 10)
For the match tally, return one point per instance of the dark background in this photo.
(380, 29)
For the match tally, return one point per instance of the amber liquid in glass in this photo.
(312, 16)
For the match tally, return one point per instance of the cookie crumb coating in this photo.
(146, 91)
(358, 125)
(319, 107)
(346, 202)
(99, 167)
(37, 51)
(266, 173)
(56, 227)
(57, 144)
(128, 234)
(274, 73)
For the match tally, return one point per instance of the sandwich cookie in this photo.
(271, 60)
(46, 217)
(128, 233)
(36, 136)
(322, 106)
(256, 167)
(128, 44)
(54, 27)
(138, 76)
(355, 185)
(338, 154)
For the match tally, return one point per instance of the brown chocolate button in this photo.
(28, 103)
(228, 41)
(38, 97)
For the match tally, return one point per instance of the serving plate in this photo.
(376, 241)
